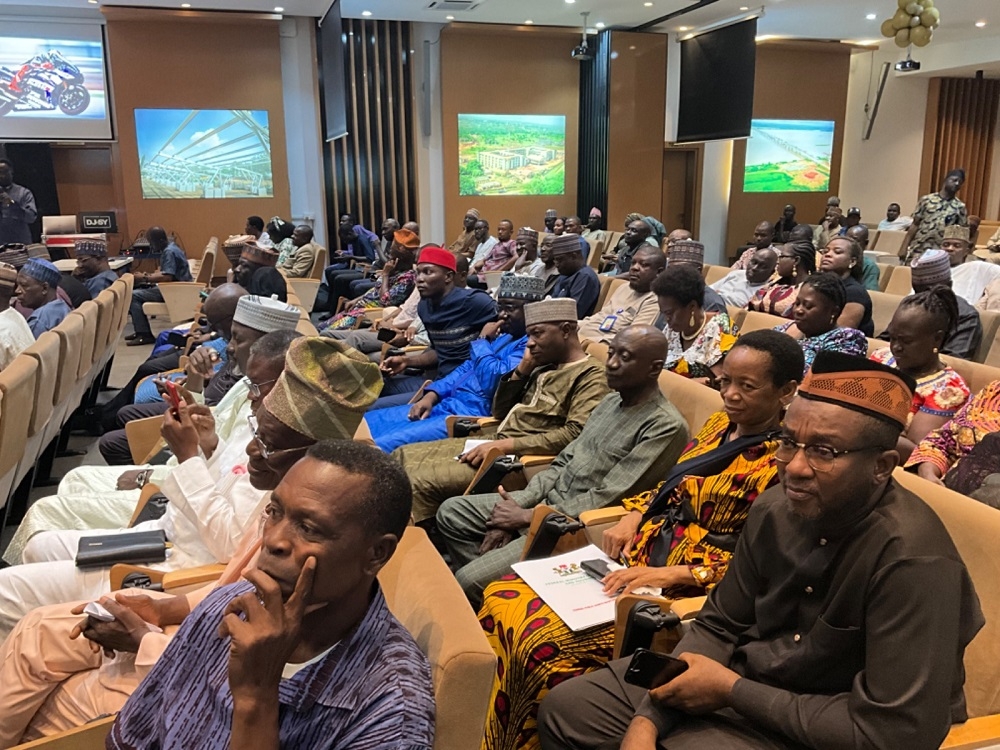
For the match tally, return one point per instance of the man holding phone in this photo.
(844, 615)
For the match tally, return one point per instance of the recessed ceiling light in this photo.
(744, 7)
(570, 2)
(599, 24)
(92, 2)
(684, 28)
(980, 24)
(648, 5)
(529, 22)
(366, 13)
(185, 5)
(871, 16)
(279, 9)
(446, 18)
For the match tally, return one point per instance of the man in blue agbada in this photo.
(468, 390)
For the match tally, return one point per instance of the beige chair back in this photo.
(736, 316)
(87, 311)
(883, 308)
(695, 402)
(45, 351)
(105, 302)
(760, 321)
(714, 273)
(991, 329)
(608, 285)
(17, 389)
(70, 332)
(425, 597)
(319, 263)
(888, 241)
(884, 274)
(900, 282)
(207, 267)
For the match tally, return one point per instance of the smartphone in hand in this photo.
(649, 669)
(173, 396)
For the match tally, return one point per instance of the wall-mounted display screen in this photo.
(789, 156)
(204, 153)
(511, 154)
(52, 82)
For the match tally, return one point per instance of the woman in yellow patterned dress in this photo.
(678, 537)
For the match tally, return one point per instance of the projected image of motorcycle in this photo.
(53, 81)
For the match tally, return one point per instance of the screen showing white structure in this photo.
(789, 156)
(511, 154)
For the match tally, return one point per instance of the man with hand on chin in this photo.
(843, 617)
(305, 652)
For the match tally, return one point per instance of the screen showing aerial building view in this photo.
(788, 156)
(204, 153)
(511, 154)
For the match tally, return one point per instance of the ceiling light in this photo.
(92, 2)
(599, 24)
(744, 7)
(529, 22)
(980, 24)
(279, 9)
(448, 18)
(366, 13)
(684, 28)
(185, 5)
(570, 2)
(648, 5)
(871, 16)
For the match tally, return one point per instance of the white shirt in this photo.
(735, 289)
(483, 249)
(970, 279)
(15, 336)
(625, 307)
(901, 224)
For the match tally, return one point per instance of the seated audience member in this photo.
(280, 232)
(468, 390)
(593, 230)
(351, 283)
(544, 267)
(829, 227)
(484, 242)
(843, 257)
(938, 455)
(98, 497)
(299, 261)
(38, 284)
(993, 243)
(549, 221)
(573, 225)
(543, 404)
(801, 232)
(559, 228)
(785, 224)
(15, 334)
(453, 317)
(396, 282)
(386, 238)
(629, 304)
(697, 340)
(500, 257)
(311, 620)
(893, 221)
(610, 255)
(932, 268)
(316, 397)
(630, 440)
(869, 269)
(356, 242)
(763, 237)
(916, 333)
(796, 262)
(173, 267)
(739, 286)
(465, 243)
(638, 233)
(253, 259)
(526, 244)
(684, 251)
(678, 537)
(857, 550)
(577, 280)
(255, 228)
(818, 306)
(92, 266)
(969, 278)
(254, 317)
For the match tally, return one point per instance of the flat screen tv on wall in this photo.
(511, 154)
(53, 84)
(788, 156)
(204, 153)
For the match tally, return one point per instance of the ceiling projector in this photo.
(582, 52)
(907, 66)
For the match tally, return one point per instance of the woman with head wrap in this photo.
(818, 304)
(796, 262)
(280, 232)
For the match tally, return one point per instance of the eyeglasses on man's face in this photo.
(819, 457)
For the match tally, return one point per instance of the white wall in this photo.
(716, 179)
(886, 168)
(303, 137)
(429, 157)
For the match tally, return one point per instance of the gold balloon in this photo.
(927, 4)
(911, 8)
(903, 3)
(888, 30)
(901, 20)
(914, 21)
(920, 36)
(902, 37)
(930, 16)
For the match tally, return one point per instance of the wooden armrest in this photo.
(119, 571)
(88, 737)
(491, 455)
(688, 609)
(192, 576)
(147, 492)
(143, 437)
(374, 314)
(603, 515)
(665, 640)
(566, 543)
(975, 733)
(420, 392)
(529, 460)
(483, 422)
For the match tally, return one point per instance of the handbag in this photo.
(109, 549)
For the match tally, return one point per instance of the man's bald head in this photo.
(635, 360)
(763, 234)
(220, 307)
(676, 236)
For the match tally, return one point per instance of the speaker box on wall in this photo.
(33, 169)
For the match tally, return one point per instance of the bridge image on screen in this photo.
(511, 154)
(788, 156)
(204, 153)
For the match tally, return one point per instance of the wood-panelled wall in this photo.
(959, 132)
(370, 172)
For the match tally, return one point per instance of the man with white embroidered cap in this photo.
(92, 266)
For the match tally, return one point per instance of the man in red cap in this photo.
(453, 318)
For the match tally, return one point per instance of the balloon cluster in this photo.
(913, 23)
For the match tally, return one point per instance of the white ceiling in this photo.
(804, 19)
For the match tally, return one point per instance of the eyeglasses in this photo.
(265, 452)
(254, 388)
(819, 457)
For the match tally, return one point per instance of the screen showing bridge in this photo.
(788, 156)
(511, 154)
(204, 153)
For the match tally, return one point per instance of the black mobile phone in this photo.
(650, 670)
(596, 569)
(385, 335)
(175, 338)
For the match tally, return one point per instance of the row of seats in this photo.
(54, 375)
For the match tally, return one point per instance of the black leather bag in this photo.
(109, 549)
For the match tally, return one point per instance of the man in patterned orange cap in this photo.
(842, 619)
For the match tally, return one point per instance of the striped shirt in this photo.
(371, 691)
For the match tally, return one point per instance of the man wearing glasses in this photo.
(843, 617)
